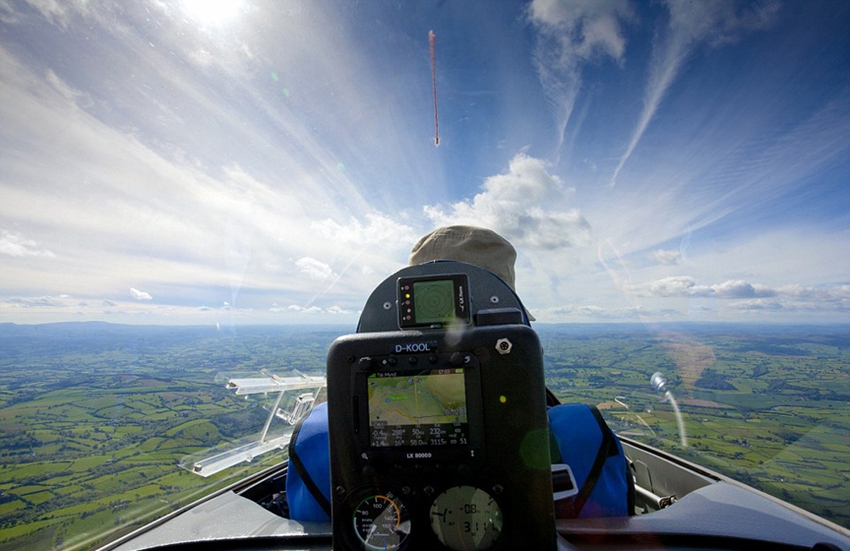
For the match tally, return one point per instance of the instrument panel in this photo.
(438, 428)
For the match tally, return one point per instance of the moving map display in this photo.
(426, 408)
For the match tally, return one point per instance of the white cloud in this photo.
(589, 311)
(667, 257)
(338, 311)
(378, 230)
(513, 205)
(592, 313)
(140, 295)
(314, 269)
(38, 302)
(677, 286)
(827, 305)
(740, 289)
(686, 286)
(137, 210)
(334, 310)
(582, 28)
(799, 292)
(58, 12)
(572, 33)
(307, 310)
(742, 295)
(757, 305)
(14, 244)
(68, 93)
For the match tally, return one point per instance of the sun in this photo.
(213, 13)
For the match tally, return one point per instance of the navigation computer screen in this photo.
(426, 408)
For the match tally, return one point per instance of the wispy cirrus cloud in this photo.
(570, 34)
(166, 215)
(15, 244)
(690, 25)
(667, 257)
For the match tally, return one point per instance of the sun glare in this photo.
(213, 13)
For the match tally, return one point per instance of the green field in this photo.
(765, 405)
(94, 418)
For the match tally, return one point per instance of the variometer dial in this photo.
(381, 522)
(466, 518)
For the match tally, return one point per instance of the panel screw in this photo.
(388, 305)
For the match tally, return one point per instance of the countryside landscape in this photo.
(95, 418)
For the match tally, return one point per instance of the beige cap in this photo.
(477, 246)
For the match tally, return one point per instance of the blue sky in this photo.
(271, 162)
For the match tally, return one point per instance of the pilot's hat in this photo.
(478, 246)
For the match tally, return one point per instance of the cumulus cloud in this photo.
(512, 204)
(686, 286)
(15, 244)
(832, 294)
(667, 257)
(140, 295)
(740, 289)
(758, 305)
(583, 29)
(314, 269)
(334, 310)
(338, 311)
(306, 310)
(798, 298)
(672, 287)
(691, 24)
(742, 295)
(570, 34)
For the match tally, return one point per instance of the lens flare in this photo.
(213, 13)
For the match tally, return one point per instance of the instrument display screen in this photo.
(423, 408)
(433, 301)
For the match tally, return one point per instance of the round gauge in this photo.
(466, 518)
(381, 522)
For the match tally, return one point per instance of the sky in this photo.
(205, 162)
